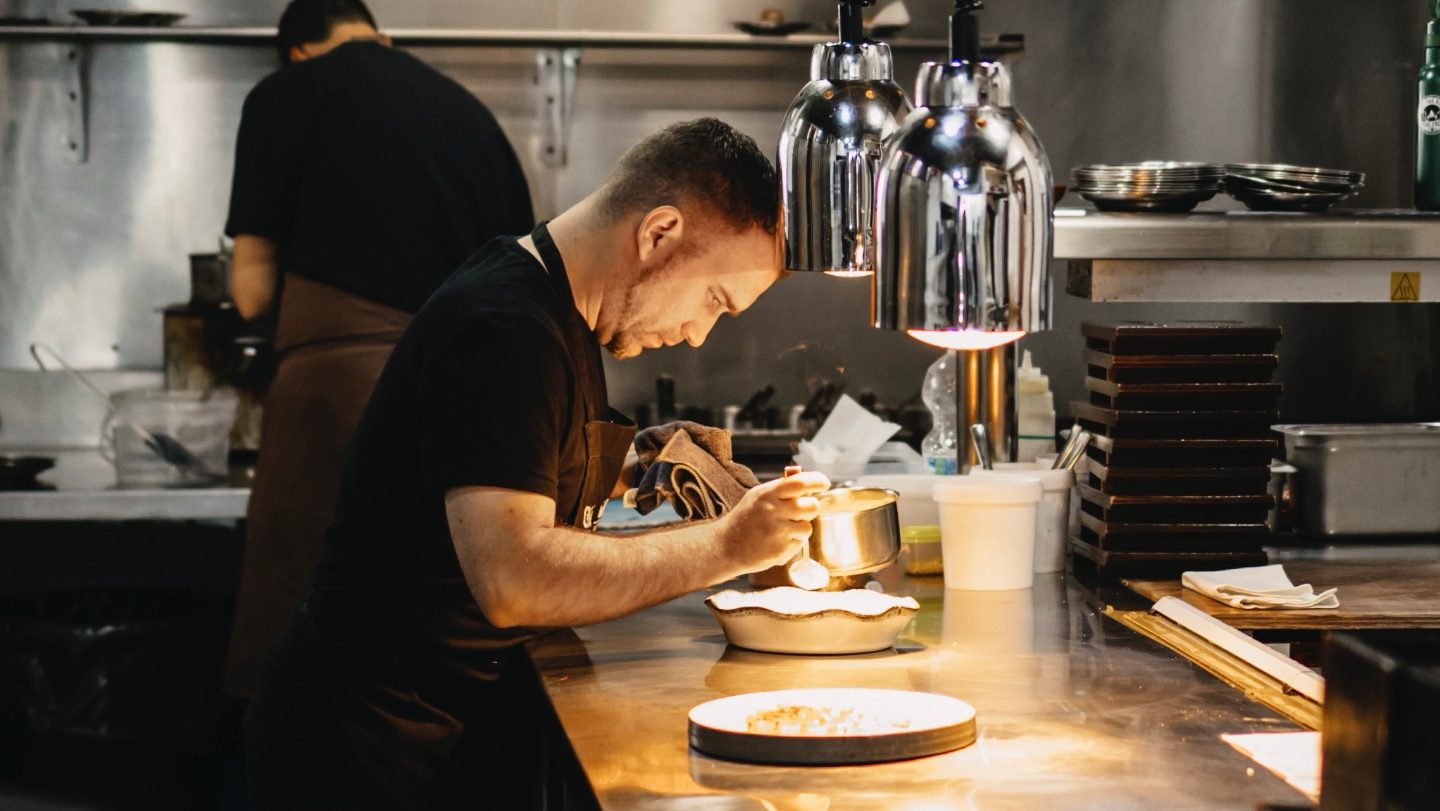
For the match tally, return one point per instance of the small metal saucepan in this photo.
(858, 530)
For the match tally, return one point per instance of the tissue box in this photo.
(1382, 710)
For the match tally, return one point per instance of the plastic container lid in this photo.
(1009, 489)
(1051, 480)
(920, 533)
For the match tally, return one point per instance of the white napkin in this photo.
(1258, 587)
(847, 440)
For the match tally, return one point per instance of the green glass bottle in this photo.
(1427, 119)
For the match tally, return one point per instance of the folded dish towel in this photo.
(689, 464)
(1258, 587)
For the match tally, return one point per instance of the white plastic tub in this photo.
(987, 531)
(1053, 520)
(917, 505)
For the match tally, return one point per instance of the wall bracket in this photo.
(555, 76)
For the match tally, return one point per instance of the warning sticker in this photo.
(1404, 286)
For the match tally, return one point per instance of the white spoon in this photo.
(804, 572)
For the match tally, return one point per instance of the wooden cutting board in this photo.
(1373, 594)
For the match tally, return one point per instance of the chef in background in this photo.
(363, 177)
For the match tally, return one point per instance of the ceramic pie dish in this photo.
(791, 620)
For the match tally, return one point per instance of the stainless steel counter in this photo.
(85, 491)
(1075, 712)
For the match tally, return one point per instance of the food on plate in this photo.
(798, 719)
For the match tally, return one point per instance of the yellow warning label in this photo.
(1404, 286)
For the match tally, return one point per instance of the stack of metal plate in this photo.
(1148, 186)
(1281, 187)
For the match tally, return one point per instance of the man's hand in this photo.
(770, 523)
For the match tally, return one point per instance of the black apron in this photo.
(347, 722)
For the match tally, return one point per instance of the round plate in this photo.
(785, 29)
(914, 724)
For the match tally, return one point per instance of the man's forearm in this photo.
(570, 577)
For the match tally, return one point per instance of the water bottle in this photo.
(940, 446)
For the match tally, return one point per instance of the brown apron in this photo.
(331, 346)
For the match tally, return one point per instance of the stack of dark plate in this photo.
(1281, 187)
(1148, 186)
(1176, 476)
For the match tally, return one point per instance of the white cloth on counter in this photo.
(1258, 587)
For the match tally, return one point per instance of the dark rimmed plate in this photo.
(136, 19)
(785, 29)
(1227, 424)
(1118, 509)
(18, 471)
(1182, 481)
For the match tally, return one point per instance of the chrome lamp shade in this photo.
(830, 148)
(963, 215)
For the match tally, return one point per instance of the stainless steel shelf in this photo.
(517, 38)
(1241, 256)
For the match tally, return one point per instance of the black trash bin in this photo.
(111, 694)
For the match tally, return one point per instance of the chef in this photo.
(362, 179)
(465, 520)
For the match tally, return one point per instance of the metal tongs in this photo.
(163, 445)
(1074, 449)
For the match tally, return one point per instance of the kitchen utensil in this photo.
(18, 471)
(909, 725)
(163, 445)
(858, 530)
(1074, 449)
(1281, 187)
(137, 19)
(1157, 186)
(1366, 479)
(982, 445)
(987, 531)
(804, 572)
(791, 620)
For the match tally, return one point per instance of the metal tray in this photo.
(1366, 479)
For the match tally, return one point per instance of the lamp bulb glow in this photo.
(849, 273)
(968, 339)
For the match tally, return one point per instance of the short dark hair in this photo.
(307, 21)
(705, 161)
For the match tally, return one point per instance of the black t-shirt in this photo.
(374, 173)
(492, 385)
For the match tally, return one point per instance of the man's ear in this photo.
(384, 38)
(297, 54)
(659, 234)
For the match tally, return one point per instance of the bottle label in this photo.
(1429, 115)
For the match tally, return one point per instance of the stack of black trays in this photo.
(1176, 475)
